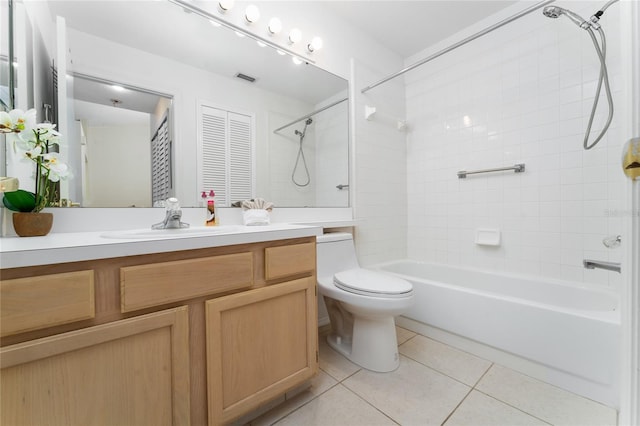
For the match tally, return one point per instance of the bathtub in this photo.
(566, 327)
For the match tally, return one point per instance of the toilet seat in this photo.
(372, 284)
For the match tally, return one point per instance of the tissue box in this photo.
(256, 217)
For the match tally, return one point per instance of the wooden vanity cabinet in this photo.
(223, 331)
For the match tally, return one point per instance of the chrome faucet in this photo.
(172, 217)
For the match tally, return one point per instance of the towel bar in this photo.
(518, 168)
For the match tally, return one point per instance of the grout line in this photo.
(513, 406)
(483, 374)
(370, 404)
(440, 372)
(456, 407)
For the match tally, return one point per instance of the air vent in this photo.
(246, 77)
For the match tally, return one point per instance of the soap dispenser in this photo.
(212, 218)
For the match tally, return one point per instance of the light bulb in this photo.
(295, 35)
(225, 5)
(296, 61)
(252, 13)
(316, 44)
(275, 25)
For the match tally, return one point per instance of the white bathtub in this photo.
(566, 327)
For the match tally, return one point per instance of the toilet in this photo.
(361, 304)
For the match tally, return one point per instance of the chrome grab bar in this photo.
(609, 266)
(518, 168)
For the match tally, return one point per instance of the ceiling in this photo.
(408, 27)
(405, 27)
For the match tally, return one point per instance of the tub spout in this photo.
(609, 266)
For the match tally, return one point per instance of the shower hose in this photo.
(604, 77)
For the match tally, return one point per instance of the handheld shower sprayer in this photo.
(601, 50)
(301, 155)
(556, 12)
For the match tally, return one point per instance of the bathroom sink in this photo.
(198, 231)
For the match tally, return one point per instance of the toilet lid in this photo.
(370, 283)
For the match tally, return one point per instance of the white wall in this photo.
(521, 94)
(115, 180)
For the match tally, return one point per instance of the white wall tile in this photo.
(521, 94)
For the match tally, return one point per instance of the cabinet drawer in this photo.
(289, 260)
(156, 284)
(44, 301)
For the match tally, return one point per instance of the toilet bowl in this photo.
(361, 304)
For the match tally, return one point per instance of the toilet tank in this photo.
(335, 253)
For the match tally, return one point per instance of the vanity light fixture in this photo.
(252, 14)
(275, 26)
(295, 35)
(316, 44)
(225, 5)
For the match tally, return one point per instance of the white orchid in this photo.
(17, 121)
(36, 141)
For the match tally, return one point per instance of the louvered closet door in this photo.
(227, 154)
(161, 164)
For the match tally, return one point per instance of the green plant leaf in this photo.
(19, 201)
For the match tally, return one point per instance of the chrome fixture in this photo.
(601, 50)
(301, 155)
(460, 43)
(172, 217)
(609, 266)
(311, 114)
(518, 168)
(613, 241)
(342, 186)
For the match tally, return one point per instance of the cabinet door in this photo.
(260, 343)
(129, 372)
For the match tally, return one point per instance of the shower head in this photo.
(556, 11)
(309, 121)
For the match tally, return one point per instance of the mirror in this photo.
(190, 68)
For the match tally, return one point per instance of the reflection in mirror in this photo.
(6, 76)
(195, 67)
(112, 119)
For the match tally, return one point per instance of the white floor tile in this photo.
(338, 406)
(479, 409)
(319, 384)
(544, 401)
(333, 363)
(450, 361)
(402, 335)
(411, 395)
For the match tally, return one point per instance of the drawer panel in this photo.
(44, 301)
(289, 260)
(156, 284)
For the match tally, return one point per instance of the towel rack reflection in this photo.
(518, 168)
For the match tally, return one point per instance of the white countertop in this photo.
(16, 252)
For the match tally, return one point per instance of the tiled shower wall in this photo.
(521, 94)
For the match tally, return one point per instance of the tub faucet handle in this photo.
(613, 241)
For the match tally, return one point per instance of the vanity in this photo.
(195, 329)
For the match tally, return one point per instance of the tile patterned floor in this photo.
(434, 385)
